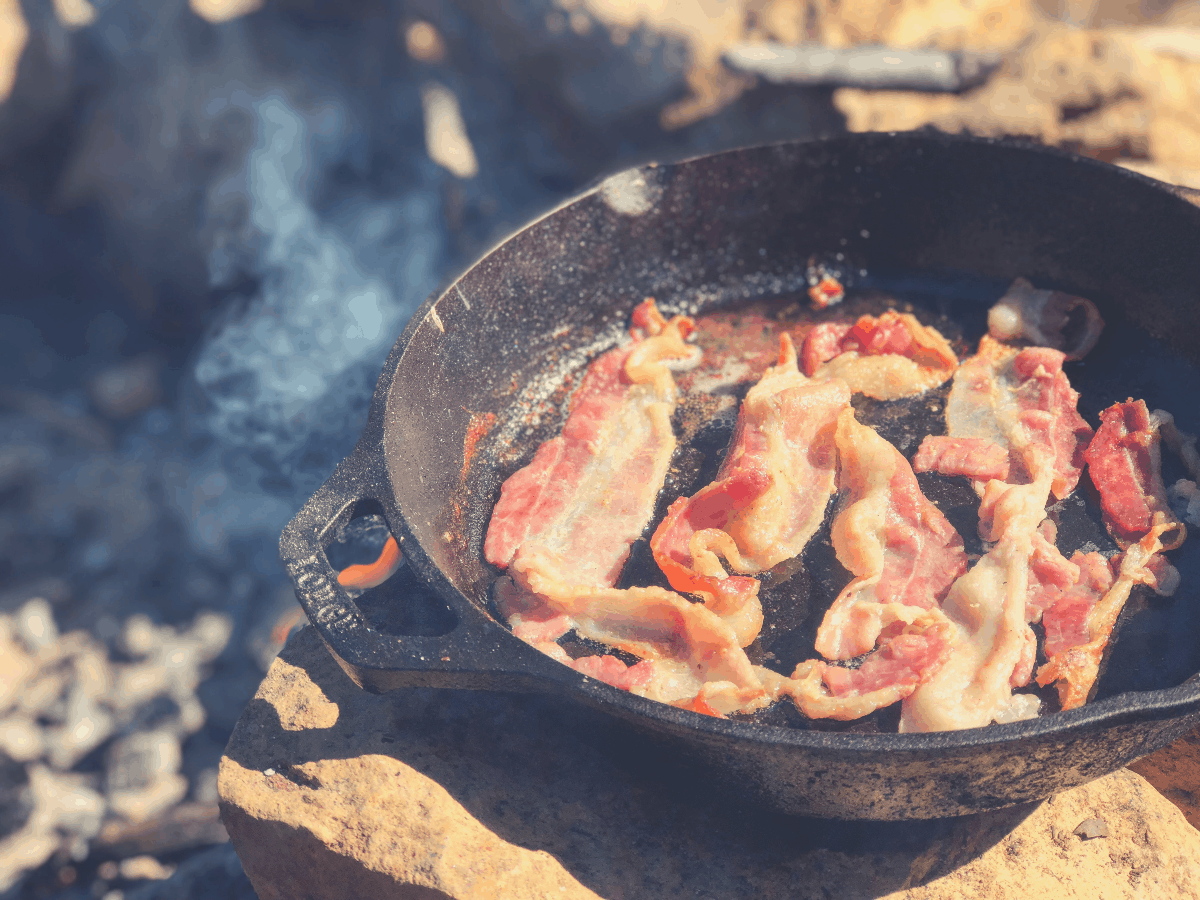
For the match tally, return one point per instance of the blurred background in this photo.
(215, 219)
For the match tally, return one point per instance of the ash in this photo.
(214, 231)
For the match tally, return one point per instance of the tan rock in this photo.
(1175, 771)
(328, 792)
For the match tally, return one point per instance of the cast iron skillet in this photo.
(719, 230)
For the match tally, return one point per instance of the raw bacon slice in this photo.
(769, 496)
(1076, 663)
(885, 357)
(977, 459)
(590, 492)
(1043, 318)
(1020, 400)
(903, 552)
(1125, 463)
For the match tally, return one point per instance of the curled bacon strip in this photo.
(905, 555)
(691, 657)
(885, 357)
(903, 552)
(904, 661)
(768, 498)
(1042, 318)
(1125, 463)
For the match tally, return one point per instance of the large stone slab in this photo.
(328, 792)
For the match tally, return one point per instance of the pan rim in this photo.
(1163, 704)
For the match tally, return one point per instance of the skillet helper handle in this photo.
(465, 658)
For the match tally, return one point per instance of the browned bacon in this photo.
(977, 459)
(1125, 464)
(768, 498)
(1018, 400)
(1043, 318)
(885, 357)
(903, 552)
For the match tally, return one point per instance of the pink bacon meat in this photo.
(1125, 463)
(903, 552)
(564, 525)
(975, 458)
(1021, 402)
(591, 491)
(1012, 400)
(769, 496)
(1082, 635)
(886, 357)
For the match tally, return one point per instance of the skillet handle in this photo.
(476, 654)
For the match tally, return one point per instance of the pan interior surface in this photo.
(488, 375)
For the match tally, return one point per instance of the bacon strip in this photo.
(1018, 400)
(903, 552)
(768, 499)
(1125, 463)
(564, 525)
(902, 663)
(885, 357)
(993, 643)
(977, 459)
(591, 491)
(1041, 317)
(1075, 665)
(691, 657)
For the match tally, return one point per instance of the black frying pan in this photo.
(943, 221)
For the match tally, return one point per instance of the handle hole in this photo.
(401, 605)
(358, 543)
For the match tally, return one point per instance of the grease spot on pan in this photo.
(631, 193)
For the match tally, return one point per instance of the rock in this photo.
(1175, 771)
(327, 791)
(1113, 92)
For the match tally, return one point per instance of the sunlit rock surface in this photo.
(328, 791)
